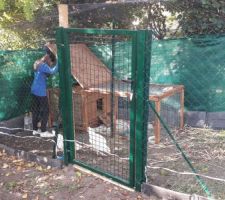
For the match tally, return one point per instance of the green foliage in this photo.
(171, 18)
(23, 9)
(27, 21)
(2, 4)
(29, 7)
(23, 23)
(200, 17)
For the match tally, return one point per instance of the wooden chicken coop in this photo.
(157, 93)
(90, 108)
(92, 96)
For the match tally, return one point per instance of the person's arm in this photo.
(49, 70)
(38, 63)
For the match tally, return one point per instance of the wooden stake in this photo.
(182, 109)
(157, 127)
(63, 15)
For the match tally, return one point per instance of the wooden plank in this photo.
(153, 98)
(171, 92)
(163, 193)
(84, 111)
(120, 94)
(80, 109)
(115, 116)
(128, 94)
(50, 94)
(87, 69)
(92, 108)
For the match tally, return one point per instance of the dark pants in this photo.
(40, 111)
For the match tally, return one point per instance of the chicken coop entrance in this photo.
(104, 83)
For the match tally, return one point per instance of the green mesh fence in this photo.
(190, 62)
(197, 62)
(16, 68)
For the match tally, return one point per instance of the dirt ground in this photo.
(203, 147)
(20, 179)
(24, 140)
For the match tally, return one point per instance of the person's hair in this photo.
(52, 57)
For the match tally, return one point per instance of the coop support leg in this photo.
(182, 109)
(115, 117)
(84, 112)
(157, 123)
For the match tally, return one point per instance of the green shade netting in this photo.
(196, 63)
(16, 76)
(15, 81)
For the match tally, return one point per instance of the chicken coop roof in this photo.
(87, 68)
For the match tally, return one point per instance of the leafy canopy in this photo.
(22, 22)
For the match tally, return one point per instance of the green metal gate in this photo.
(105, 101)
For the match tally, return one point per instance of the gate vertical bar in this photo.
(60, 50)
(142, 95)
(112, 88)
(133, 111)
(66, 93)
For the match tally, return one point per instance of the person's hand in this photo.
(49, 61)
(45, 58)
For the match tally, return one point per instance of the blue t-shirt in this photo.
(39, 84)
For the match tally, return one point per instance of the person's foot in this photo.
(36, 132)
(47, 134)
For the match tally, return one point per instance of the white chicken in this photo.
(98, 142)
(78, 146)
(59, 144)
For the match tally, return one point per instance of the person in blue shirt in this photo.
(43, 68)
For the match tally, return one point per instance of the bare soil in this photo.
(27, 180)
(24, 140)
(204, 149)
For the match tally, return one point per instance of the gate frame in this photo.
(140, 67)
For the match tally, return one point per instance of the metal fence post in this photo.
(133, 111)
(66, 93)
(142, 95)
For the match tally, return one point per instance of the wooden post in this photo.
(115, 112)
(84, 113)
(63, 15)
(182, 109)
(50, 108)
(157, 126)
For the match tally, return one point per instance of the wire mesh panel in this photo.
(103, 69)
(187, 68)
(15, 80)
(188, 159)
(102, 139)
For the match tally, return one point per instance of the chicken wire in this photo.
(102, 102)
(188, 160)
(191, 56)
